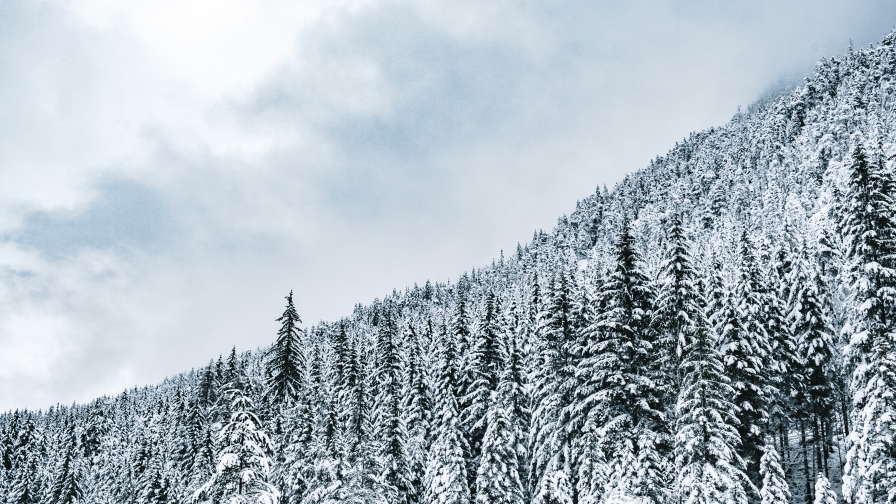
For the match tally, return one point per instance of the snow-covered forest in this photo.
(717, 328)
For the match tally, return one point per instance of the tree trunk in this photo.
(805, 461)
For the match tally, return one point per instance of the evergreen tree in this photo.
(554, 382)
(481, 372)
(347, 395)
(631, 425)
(678, 303)
(445, 481)
(24, 484)
(388, 432)
(869, 226)
(416, 413)
(66, 486)
(774, 484)
(243, 459)
(709, 468)
(823, 492)
(746, 350)
(812, 328)
(500, 474)
(285, 360)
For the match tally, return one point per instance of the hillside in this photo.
(717, 328)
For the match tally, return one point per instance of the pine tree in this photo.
(628, 399)
(554, 381)
(24, 485)
(482, 365)
(285, 363)
(445, 481)
(746, 350)
(347, 395)
(416, 412)
(774, 484)
(389, 434)
(811, 326)
(709, 468)
(823, 492)
(678, 303)
(869, 226)
(66, 485)
(500, 474)
(243, 459)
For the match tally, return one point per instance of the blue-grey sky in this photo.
(172, 168)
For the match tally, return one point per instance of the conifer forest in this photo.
(720, 327)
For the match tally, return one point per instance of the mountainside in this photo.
(717, 328)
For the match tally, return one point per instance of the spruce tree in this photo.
(416, 413)
(823, 492)
(500, 474)
(243, 458)
(812, 328)
(869, 227)
(347, 395)
(774, 484)
(632, 426)
(388, 430)
(445, 481)
(285, 361)
(482, 366)
(746, 351)
(708, 467)
(554, 383)
(66, 483)
(24, 484)
(678, 304)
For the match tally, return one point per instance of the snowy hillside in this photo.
(717, 328)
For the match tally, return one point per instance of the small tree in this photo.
(823, 492)
(243, 460)
(774, 485)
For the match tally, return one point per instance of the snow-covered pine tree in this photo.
(65, 487)
(346, 393)
(628, 398)
(812, 328)
(708, 467)
(869, 225)
(285, 364)
(445, 481)
(416, 412)
(554, 382)
(389, 434)
(241, 476)
(774, 484)
(500, 475)
(746, 350)
(481, 372)
(823, 492)
(678, 305)
(24, 480)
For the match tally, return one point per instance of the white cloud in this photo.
(171, 169)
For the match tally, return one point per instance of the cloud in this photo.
(125, 215)
(171, 169)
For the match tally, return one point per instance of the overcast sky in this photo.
(172, 168)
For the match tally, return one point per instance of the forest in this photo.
(717, 328)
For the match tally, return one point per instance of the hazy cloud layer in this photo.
(173, 168)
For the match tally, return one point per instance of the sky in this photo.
(171, 169)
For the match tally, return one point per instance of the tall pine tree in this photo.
(869, 226)
(285, 364)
